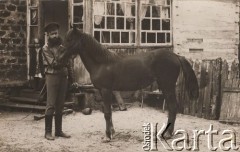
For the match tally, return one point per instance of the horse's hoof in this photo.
(109, 134)
(106, 140)
(123, 108)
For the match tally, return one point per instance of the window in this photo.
(155, 22)
(114, 21)
(77, 13)
(33, 20)
(117, 22)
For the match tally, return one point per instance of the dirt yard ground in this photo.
(20, 133)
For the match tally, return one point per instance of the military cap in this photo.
(51, 26)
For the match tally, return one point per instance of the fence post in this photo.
(216, 91)
(201, 89)
(208, 89)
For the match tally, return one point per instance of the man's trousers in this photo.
(56, 93)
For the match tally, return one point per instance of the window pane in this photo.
(146, 24)
(110, 9)
(119, 10)
(168, 2)
(132, 37)
(151, 38)
(130, 25)
(34, 16)
(168, 38)
(166, 24)
(100, 25)
(106, 37)
(78, 14)
(156, 11)
(129, 11)
(156, 24)
(143, 37)
(99, 8)
(125, 37)
(148, 12)
(33, 33)
(165, 13)
(161, 38)
(133, 10)
(116, 37)
(110, 23)
(120, 23)
(97, 35)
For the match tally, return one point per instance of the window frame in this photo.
(105, 16)
(161, 31)
(138, 31)
(72, 5)
(32, 28)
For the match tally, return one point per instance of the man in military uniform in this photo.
(58, 75)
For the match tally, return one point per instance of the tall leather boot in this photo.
(48, 127)
(58, 127)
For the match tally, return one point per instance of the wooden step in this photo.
(21, 107)
(29, 93)
(25, 100)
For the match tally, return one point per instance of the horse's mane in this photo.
(96, 50)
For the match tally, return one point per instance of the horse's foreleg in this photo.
(171, 103)
(107, 97)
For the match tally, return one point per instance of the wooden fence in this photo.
(219, 91)
(230, 107)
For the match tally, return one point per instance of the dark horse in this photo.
(111, 72)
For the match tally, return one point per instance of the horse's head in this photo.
(72, 42)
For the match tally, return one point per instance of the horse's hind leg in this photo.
(171, 102)
(107, 100)
(119, 99)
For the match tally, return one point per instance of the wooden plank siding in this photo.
(213, 21)
(208, 74)
(219, 91)
(230, 109)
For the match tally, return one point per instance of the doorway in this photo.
(54, 11)
(39, 14)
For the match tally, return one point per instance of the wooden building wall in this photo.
(206, 29)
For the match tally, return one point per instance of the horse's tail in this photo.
(190, 78)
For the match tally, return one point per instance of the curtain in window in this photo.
(126, 7)
(34, 17)
(98, 11)
(128, 10)
(164, 12)
(144, 8)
